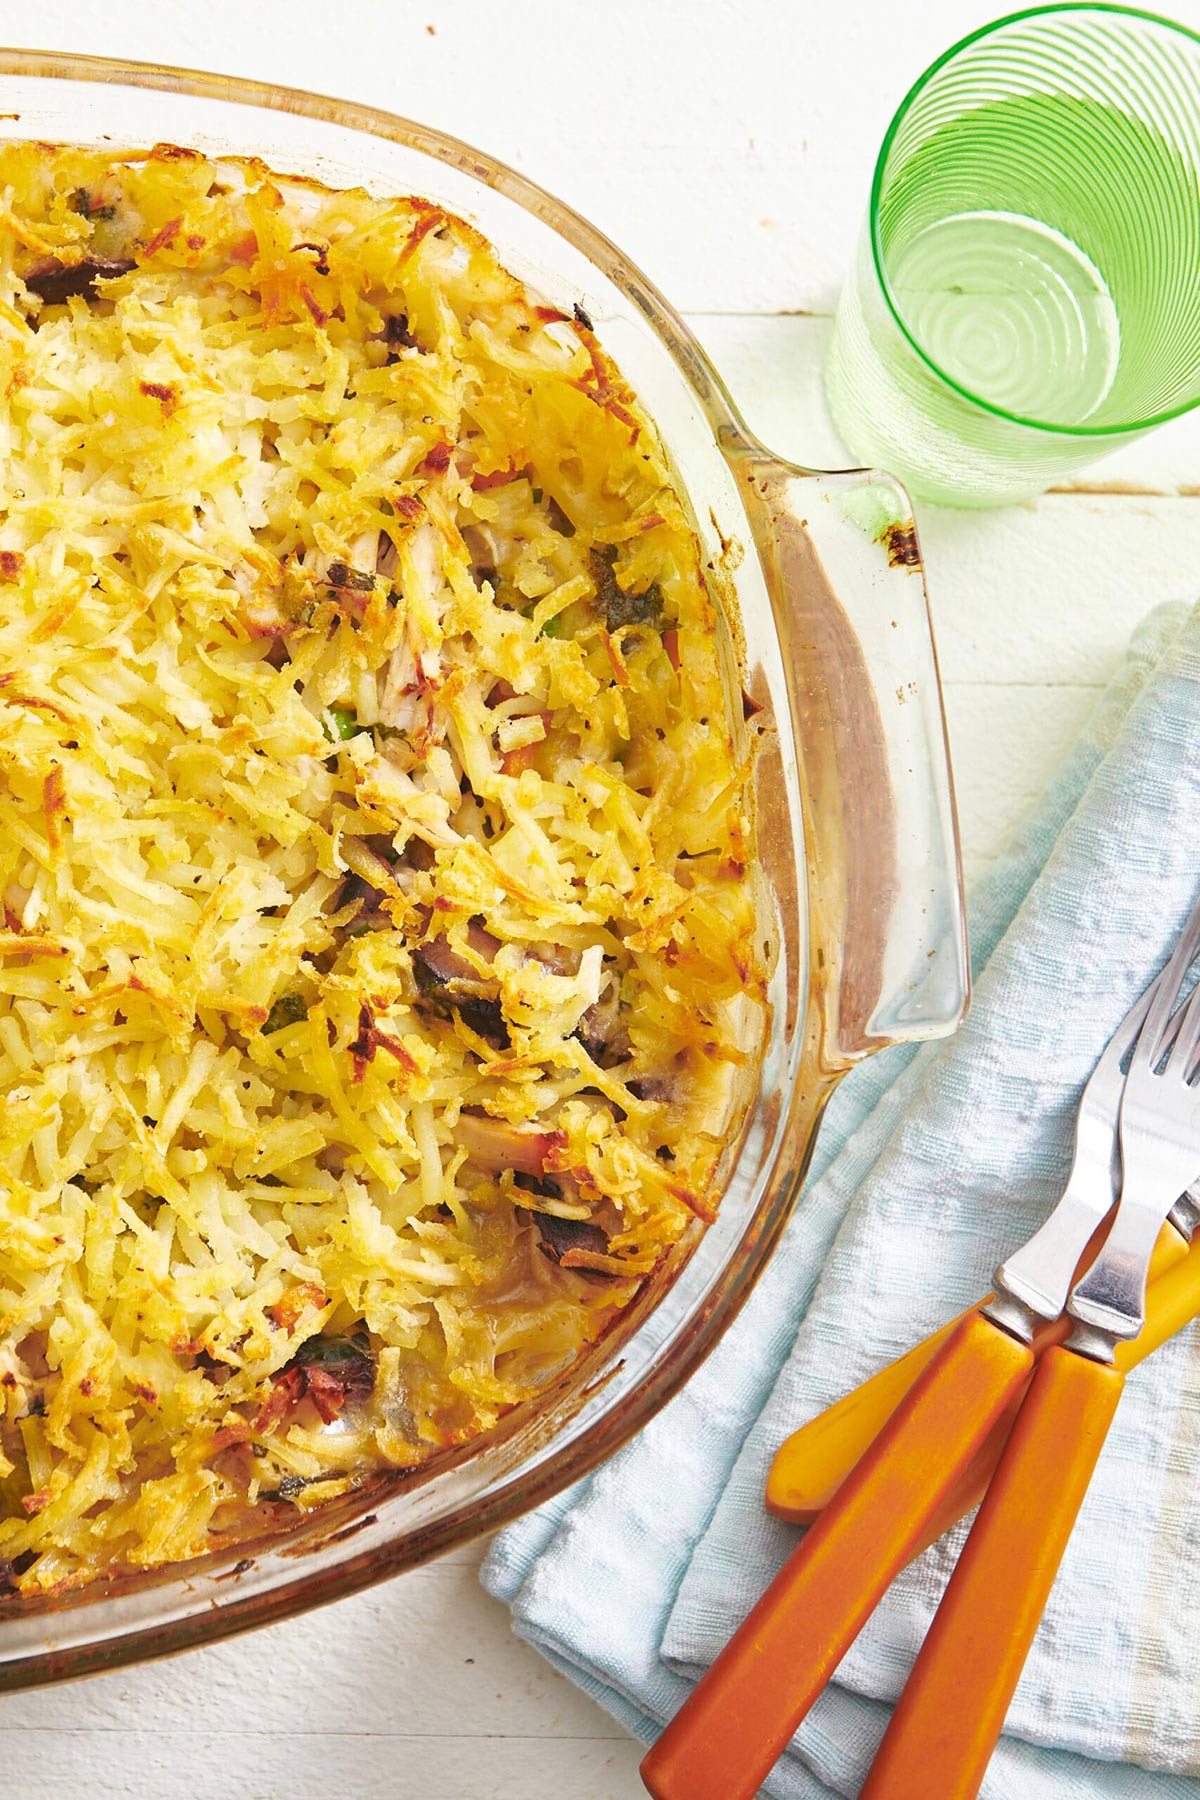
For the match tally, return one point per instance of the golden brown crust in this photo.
(372, 847)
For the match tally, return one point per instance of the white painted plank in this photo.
(415, 1691)
(1006, 742)
(324, 1762)
(1049, 593)
(425, 1656)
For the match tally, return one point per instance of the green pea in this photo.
(345, 723)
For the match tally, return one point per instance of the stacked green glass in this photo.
(1026, 292)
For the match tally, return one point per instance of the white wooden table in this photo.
(727, 147)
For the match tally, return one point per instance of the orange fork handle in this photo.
(735, 1723)
(1172, 1301)
(812, 1463)
(949, 1716)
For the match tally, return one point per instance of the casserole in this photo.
(374, 854)
(858, 861)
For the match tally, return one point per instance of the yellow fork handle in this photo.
(811, 1464)
(949, 1716)
(735, 1723)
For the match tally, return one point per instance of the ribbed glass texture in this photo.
(1026, 293)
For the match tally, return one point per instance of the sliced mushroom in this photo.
(602, 1033)
(55, 281)
(556, 958)
(484, 1017)
(481, 940)
(436, 966)
(355, 888)
(494, 1144)
(357, 581)
(419, 855)
(562, 1235)
(387, 560)
(651, 1087)
(449, 982)
(397, 336)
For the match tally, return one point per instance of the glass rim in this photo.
(873, 222)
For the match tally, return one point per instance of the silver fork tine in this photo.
(1166, 993)
(1039, 1275)
(1160, 1151)
(1182, 1055)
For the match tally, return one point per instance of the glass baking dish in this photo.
(819, 580)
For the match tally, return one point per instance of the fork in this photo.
(814, 1460)
(976, 1647)
(729, 1732)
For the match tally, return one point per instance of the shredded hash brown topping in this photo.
(378, 938)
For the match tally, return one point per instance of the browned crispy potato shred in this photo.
(377, 936)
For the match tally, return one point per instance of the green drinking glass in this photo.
(1026, 292)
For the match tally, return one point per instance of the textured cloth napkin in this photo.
(932, 1163)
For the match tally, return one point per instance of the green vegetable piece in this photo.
(345, 723)
(553, 628)
(335, 1353)
(82, 202)
(289, 1009)
(617, 607)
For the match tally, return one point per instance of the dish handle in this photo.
(888, 940)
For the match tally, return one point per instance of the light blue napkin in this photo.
(931, 1164)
